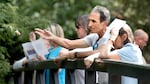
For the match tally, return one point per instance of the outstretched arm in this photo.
(69, 44)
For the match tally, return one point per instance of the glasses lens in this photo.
(77, 26)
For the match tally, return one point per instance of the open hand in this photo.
(44, 33)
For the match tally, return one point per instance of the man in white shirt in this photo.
(98, 20)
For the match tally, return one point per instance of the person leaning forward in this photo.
(99, 18)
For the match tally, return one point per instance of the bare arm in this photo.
(85, 53)
(69, 44)
(106, 52)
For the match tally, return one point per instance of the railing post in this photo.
(54, 76)
(114, 79)
(70, 77)
(28, 75)
(40, 77)
(18, 77)
(90, 77)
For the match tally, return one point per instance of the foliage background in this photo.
(25, 15)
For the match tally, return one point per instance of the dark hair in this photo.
(121, 32)
(102, 16)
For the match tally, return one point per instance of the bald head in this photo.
(141, 38)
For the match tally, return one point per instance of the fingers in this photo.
(24, 63)
(58, 61)
(90, 59)
(38, 30)
(32, 36)
(115, 26)
(88, 63)
(98, 60)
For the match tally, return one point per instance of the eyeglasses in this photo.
(77, 26)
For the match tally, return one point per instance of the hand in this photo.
(40, 57)
(115, 26)
(88, 61)
(58, 61)
(32, 36)
(44, 34)
(24, 63)
(63, 56)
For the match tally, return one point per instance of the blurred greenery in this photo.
(25, 15)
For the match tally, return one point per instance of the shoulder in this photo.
(128, 53)
(92, 35)
(128, 46)
(64, 49)
(91, 38)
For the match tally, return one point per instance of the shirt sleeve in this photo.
(18, 64)
(91, 38)
(127, 53)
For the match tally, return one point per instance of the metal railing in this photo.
(116, 69)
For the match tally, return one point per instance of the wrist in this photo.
(75, 55)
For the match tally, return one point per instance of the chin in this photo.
(117, 47)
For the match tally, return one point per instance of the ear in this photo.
(105, 23)
(124, 37)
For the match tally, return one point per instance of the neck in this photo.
(101, 34)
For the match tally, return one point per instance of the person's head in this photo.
(57, 30)
(140, 38)
(125, 36)
(81, 24)
(98, 20)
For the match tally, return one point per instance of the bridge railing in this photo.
(114, 68)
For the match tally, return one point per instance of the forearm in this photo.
(106, 49)
(70, 44)
(85, 54)
(62, 42)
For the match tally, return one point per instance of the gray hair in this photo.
(82, 21)
(140, 33)
(104, 13)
